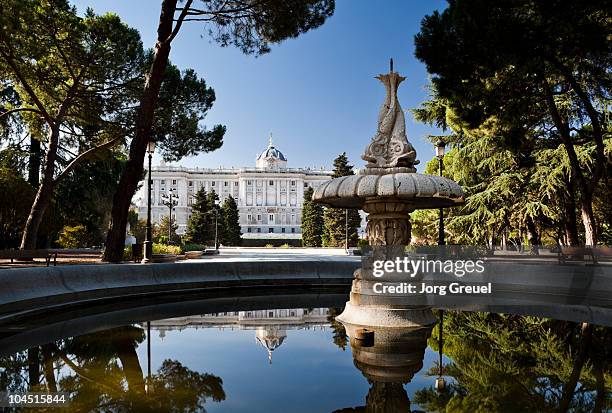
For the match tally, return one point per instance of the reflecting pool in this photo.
(257, 358)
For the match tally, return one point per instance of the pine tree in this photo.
(312, 221)
(231, 234)
(335, 219)
(214, 221)
(198, 222)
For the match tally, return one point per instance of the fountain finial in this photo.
(270, 141)
(389, 151)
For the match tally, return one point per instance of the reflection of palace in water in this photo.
(270, 325)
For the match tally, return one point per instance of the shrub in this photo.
(194, 247)
(285, 246)
(167, 249)
(127, 253)
(362, 243)
(73, 236)
(269, 246)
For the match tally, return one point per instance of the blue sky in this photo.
(316, 94)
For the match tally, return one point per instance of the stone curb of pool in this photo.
(34, 288)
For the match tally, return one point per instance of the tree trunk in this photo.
(43, 195)
(34, 162)
(600, 387)
(532, 235)
(33, 367)
(588, 218)
(586, 193)
(586, 334)
(130, 364)
(128, 183)
(570, 222)
(48, 369)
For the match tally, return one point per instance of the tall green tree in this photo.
(252, 26)
(231, 234)
(70, 74)
(338, 222)
(543, 66)
(17, 195)
(197, 224)
(514, 194)
(84, 197)
(312, 221)
(201, 226)
(214, 227)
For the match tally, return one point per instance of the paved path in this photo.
(279, 254)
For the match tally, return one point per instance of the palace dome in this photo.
(271, 152)
(271, 157)
(270, 338)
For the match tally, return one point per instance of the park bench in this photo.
(29, 255)
(579, 253)
(602, 253)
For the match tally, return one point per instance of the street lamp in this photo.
(440, 146)
(440, 382)
(148, 244)
(148, 381)
(217, 202)
(346, 249)
(170, 202)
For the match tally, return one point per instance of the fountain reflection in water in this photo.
(388, 358)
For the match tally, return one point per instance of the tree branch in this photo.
(600, 165)
(85, 155)
(11, 62)
(179, 22)
(8, 112)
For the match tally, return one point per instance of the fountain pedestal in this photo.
(388, 189)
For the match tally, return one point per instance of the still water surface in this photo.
(300, 360)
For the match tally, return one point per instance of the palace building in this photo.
(269, 196)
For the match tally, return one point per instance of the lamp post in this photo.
(440, 382)
(346, 230)
(170, 202)
(148, 382)
(440, 146)
(217, 202)
(148, 244)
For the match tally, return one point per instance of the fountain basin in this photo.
(416, 191)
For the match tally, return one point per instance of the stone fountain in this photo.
(388, 189)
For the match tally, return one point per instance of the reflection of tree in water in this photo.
(13, 372)
(508, 363)
(105, 375)
(340, 337)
